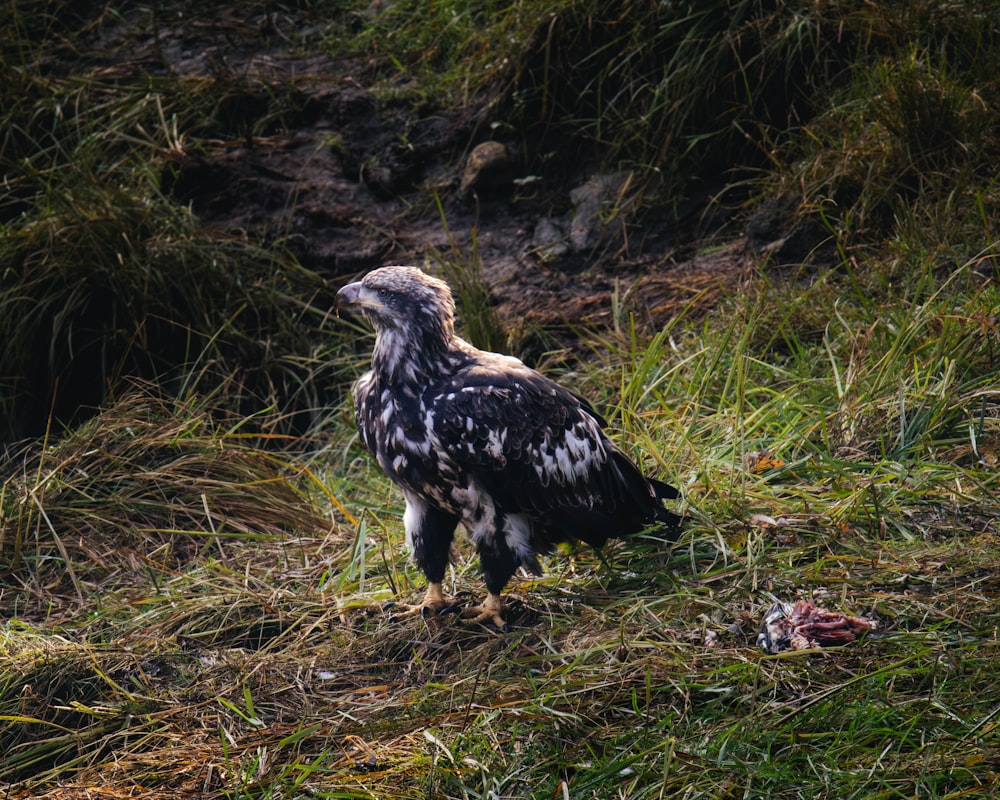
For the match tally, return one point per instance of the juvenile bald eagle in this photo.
(480, 440)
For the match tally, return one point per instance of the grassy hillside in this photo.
(196, 556)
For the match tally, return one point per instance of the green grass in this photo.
(265, 665)
(192, 595)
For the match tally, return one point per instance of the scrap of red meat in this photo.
(803, 625)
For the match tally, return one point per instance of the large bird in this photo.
(479, 440)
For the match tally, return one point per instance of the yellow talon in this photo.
(434, 602)
(491, 611)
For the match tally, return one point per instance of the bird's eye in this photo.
(383, 293)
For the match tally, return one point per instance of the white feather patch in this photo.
(517, 533)
(479, 514)
(413, 517)
(494, 444)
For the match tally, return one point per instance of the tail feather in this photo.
(595, 526)
(624, 502)
(663, 491)
(669, 521)
(639, 510)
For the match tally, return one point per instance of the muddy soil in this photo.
(347, 180)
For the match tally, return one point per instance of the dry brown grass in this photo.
(149, 484)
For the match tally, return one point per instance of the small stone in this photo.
(549, 241)
(591, 201)
(489, 167)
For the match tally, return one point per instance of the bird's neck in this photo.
(407, 356)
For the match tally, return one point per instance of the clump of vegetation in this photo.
(144, 485)
(108, 283)
(910, 140)
(103, 275)
(854, 107)
(672, 91)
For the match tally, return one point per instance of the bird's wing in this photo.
(528, 438)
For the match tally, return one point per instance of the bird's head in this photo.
(402, 301)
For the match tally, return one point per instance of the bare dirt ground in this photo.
(347, 179)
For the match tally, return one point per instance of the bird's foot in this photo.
(434, 603)
(424, 609)
(491, 612)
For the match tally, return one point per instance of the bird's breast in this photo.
(401, 432)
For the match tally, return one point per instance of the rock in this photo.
(782, 233)
(597, 206)
(771, 222)
(591, 202)
(489, 168)
(549, 240)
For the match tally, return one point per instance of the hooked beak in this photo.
(348, 296)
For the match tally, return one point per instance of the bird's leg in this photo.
(429, 531)
(498, 562)
(491, 610)
(434, 602)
